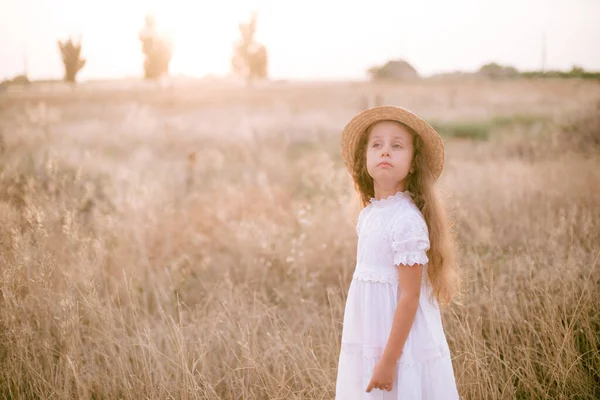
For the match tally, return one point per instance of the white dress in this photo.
(392, 231)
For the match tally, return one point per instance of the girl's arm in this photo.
(408, 302)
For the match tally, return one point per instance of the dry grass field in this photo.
(196, 241)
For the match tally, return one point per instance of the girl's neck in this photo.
(383, 192)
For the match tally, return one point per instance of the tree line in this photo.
(249, 59)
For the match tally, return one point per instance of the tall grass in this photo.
(141, 271)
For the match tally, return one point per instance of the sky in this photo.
(306, 40)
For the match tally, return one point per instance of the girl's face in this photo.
(390, 151)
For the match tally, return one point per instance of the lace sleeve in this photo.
(410, 240)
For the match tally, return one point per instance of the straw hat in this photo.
(433, 147)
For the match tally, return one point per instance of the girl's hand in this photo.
(383, 376)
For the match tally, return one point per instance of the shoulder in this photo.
(409, 237)
(408, 221)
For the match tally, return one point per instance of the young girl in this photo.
(393, 342)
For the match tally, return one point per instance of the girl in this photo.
(393, 342)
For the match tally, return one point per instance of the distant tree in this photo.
(71, 57)
(21, 80)
(157, 49)
(393, 70)
(496, 71)
(577, 71)
(250, 59)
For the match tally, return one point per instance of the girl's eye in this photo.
(397, 146)
(375, 144)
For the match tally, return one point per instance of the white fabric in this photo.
(392, 231)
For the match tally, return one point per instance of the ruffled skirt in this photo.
(424, 370)
(432, 379)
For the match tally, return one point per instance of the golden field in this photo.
(196, 240)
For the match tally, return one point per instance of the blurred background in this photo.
(314, 40)
(176, 220)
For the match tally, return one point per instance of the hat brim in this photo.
(433, 146)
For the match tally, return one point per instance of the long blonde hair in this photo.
(441, 268)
